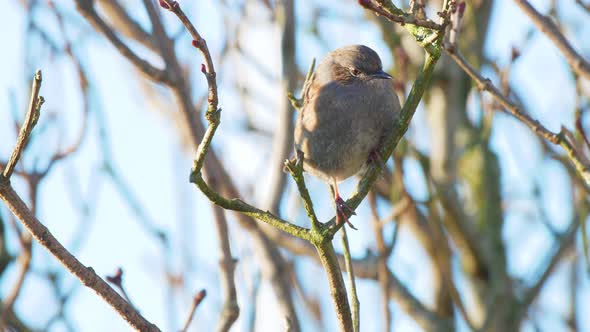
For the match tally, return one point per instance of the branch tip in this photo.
(461, 8)
(364, 3)
(200, 296)
(29, 123)
(515, 53)
(196, 302)
(169, 5)
(117, 278)
(164, 5)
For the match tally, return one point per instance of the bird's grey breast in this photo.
(341, 123)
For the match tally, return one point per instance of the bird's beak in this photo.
(382, 75)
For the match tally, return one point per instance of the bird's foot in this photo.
(341, 210)
(375, 157)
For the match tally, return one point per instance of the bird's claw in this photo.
(341, 209)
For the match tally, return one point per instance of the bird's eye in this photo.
(355, 72)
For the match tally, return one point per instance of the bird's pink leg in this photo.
(342, 207)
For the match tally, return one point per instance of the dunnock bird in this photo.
(349, 108)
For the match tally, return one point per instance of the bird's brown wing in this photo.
(308, 91)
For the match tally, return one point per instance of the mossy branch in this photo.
(296, 170)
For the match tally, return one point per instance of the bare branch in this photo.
(282, 144)
(562, 248)
(24, 260)
(230, 311)
(394, 14)
(15, 204)
(86, 7)
(296, 170)
(558, 139)
(126, 24)
(383, 270)
(85, 274)
(428, 320)
(198, 42)
(584, 6)
(544, 23)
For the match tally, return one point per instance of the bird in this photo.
(349, 108)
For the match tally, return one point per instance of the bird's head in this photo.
(356, 62)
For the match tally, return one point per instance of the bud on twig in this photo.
(461, 8)
(515, 53)
(117, 278)
(164, 5)
(364, 3)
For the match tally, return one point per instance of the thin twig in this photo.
(455, 25)
(85, 274)
(382, 255)
(394, 14)
(574, 297)
(235, 204)
(16, 205)
(544, 23)
(351, 284)
(227, 264)
(86, 8)
(117, 280)
(84, 89)
(282, 144)
(580, 128)
(427, 319)
(296, 170)
(24, 260)
(558, 139)
(197, 299)
(30, 121)
(562, 248)
(208, 69)
(584, 6)
(400, 207)
(146, 222)
(297, 103)
(124, 23)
